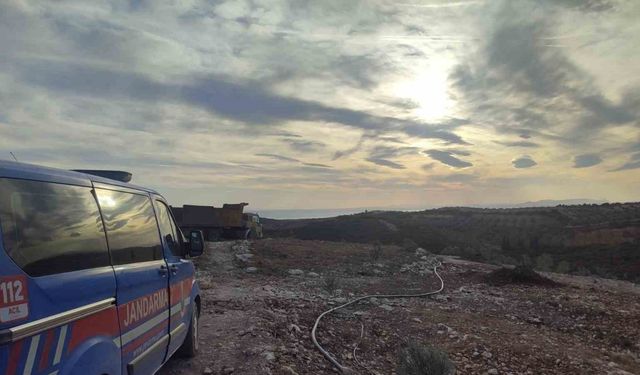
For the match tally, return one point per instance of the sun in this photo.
(428, 89)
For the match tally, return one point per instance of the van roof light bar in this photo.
(121, 176)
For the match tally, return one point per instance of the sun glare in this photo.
(429, 91)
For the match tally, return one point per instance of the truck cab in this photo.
(95, 276)
(251, 221)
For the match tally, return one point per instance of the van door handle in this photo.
(163, 270)
(174, 269)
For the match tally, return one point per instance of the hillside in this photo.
(585, 239)
(260, 300)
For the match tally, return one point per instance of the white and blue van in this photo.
(95, 276)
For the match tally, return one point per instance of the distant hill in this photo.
(548, 203)
(589, 238)
(333, 212)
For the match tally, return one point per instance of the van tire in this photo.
(190, 346)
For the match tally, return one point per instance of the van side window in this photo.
(132, 230)
(167, 227)
(51, 228)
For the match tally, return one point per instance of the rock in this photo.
(312, 274)
(246, 331)
(386, 307)
(244, 257)
(440, 298)
(288, 370)
(492, 372)
(207, 371)
(486, 354)
(227, 370)
(534, 320)
(421, 268)
(420, 252)
(269, 356)
(296, 272)
(294, 328)
(446, 328)
(251, 270)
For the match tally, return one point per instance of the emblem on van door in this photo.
(14, 298)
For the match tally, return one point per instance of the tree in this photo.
(544, 262)
(534, 243)
(506, 244)
(563, 267)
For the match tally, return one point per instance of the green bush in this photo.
(416, 359)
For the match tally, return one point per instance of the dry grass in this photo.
(416, 359)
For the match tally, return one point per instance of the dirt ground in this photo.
(260, 300)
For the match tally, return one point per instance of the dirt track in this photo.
(258, 322)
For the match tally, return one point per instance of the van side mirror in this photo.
(196, 243)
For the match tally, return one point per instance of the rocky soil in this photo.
(260, 300)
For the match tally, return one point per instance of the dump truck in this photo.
(216, 223)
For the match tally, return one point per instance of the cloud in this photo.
(350, 151)
(524, 161)
(585, 5)
(521, 84)
(455, 178)
(392, 151)
(292, 160)
(603, 112)
(380, 155)
(248, 102)
(385, 163)
(436, 131)
(286, 134)
(318, 165)
(586, 160)
(304, 146)
(446, 157)
(428, 167)
(633, 163)
(279, 157)
(526, 144)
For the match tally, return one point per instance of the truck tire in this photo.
(190, 346)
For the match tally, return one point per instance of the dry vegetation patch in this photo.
(518, 275)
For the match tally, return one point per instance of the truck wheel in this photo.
(190, 346)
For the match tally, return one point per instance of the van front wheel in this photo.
(190, 345)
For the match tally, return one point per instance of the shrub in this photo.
(563, 267)
(376, 251)
(330, 283)
(544, 262)
(409, 245)
(416, 359)
(518, 275)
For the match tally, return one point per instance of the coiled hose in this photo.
(327, 355)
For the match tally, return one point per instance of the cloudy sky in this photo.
(330, 104)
